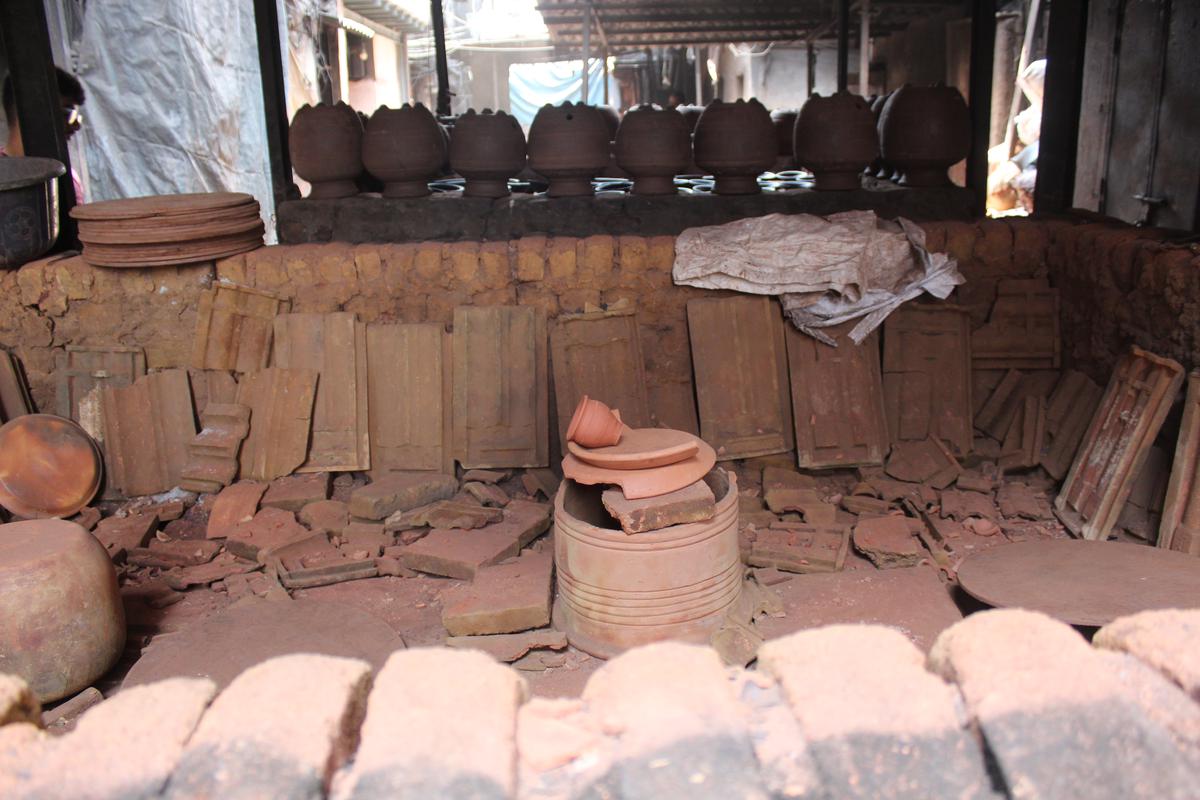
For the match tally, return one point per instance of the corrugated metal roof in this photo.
(401, 16)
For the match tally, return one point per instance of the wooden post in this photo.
(274, 81)
(983, 51)
(1060, 109)
(864, 47)
(439, 48)
(843, 45)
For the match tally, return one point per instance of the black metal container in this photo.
(28, 208)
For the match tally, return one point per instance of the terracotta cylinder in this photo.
(487, 149)
(784, 120)
(405, 148)
(325, 143)
(569, 145)
(62, 624)
(835, 138)
(653, 145)
(925, 130)
(735, 143)
(617, 591)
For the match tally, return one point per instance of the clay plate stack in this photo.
(164, 230)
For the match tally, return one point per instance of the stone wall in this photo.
(1119, 285)
(1007, 704)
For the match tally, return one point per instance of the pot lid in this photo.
(17, 172)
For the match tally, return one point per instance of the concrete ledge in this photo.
(452, 218)
(1010, 704)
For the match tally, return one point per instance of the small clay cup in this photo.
(405, 148)
(487, 149)
(325, 143)
(594, 424)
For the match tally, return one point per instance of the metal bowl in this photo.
(28, 208)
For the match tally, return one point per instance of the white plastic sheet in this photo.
(174, 99)
(825, 270)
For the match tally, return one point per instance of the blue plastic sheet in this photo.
(531, 86)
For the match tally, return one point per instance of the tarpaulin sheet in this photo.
(825, 270)
(531, 86)
(174, 99)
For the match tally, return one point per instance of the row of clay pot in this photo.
(922, 130)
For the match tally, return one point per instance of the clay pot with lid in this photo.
(835, 138)
(654, 146)
(405, 148)
(487, 149)
(735, 143)
(925, 131)
(325, 143)
(569, 145)
(784, 120)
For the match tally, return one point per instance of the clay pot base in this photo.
(654, 185)
(49, 466)
(925, 178)
(837, 181)
(406, 189)
(640, 483)
(640, 448)
(477, 187)
(736, 184)
(332, 190)
(569, 187)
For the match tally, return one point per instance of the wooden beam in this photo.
(843, 45)
(26, 39)
(983, 53)
(443, 69)
(1060, 110)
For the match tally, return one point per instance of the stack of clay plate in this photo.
(644, 462)
(162, 230)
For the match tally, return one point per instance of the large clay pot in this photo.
(617, 591)
(835, 139)
(405, 148)
(654, 146)
(62, 624)
(569, 145)
(735, 143)
(487, 149)
(325, 143)
(926, 130)
(784, 120)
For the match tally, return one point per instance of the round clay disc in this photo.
(160, 205)
(640, 448)
(1081, 582)
(49, 466)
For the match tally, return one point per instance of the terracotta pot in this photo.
(594, 424)
(569, 145)
(926, 130)
(405, 148)
(784, 120)
(487, 149)
(835, 139)
(617, 591)
(325, 143)
(654, 146)
(612, 120)
(735, 143)
(62, 624)
(49, 466)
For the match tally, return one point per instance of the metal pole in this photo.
(843, 45)
(587, 51)
(443, 69)
(26, 39)
(983, 54)
(274, 81)
(699, 98)
(604, 55)
(1035, 9)
(812, 68)
(864, 48)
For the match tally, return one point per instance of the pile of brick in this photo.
(1008, 704)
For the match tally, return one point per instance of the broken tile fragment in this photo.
(400, 491)
(88, 518)
(542, 481)
(485, 475)
(800, 548)
(180, 553)
(502, 599)
(509, 647)
(294, 492)
(959, 505)
(444, 514)
(925, 461)
(212, 461)
(694, 503)
(122, 534)
(890, 541)
(219, 568)
(236, 504)
(486, 494)
(458, 553)
(365, 536)
(865, 506)
(1019, 500)
(330, 516)
(971, 481)
(269, 530)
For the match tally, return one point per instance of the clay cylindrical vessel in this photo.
(784, 120)
(569, 145)
(325, 143)
(62, 624)
(735, 143)
(487, 149)
(654, 146)
(835, 138)
(617, 591)
(594, 424)
(926, 130)
(405, 148)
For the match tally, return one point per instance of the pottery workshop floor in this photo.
(221, 628)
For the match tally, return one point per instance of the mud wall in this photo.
(1119, 285)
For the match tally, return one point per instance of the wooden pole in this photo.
(983, 52)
